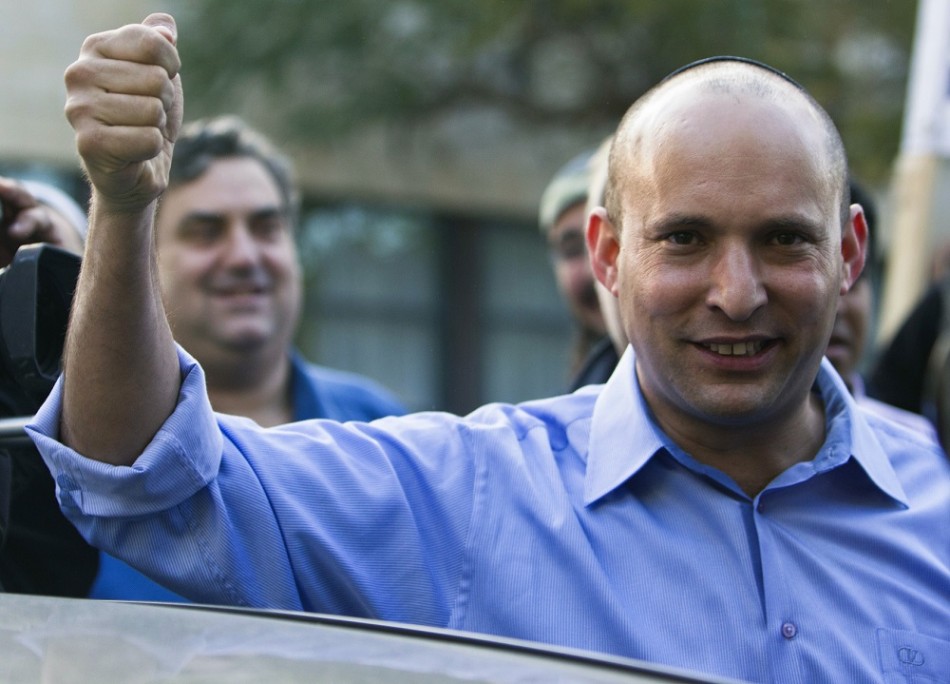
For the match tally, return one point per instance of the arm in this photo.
(121, 375)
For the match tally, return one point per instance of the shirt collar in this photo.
(623, 435)
(306, 399)
(848, 433)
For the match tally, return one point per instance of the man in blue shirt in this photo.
(720, 504)
(562, 218)
(232, 285)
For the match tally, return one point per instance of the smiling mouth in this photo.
(737, 348)
(837, 341)
(240, 291)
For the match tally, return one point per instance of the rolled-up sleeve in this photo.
(181, 459)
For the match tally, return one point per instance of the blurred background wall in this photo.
(424, 132)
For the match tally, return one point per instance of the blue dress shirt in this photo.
(573, 520)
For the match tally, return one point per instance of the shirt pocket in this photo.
(911, 658)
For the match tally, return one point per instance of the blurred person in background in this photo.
(605, 353)
(232, 283)
(562, 217)
(848, 347)
(909, 364)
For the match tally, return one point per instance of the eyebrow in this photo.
(678, 220)
(263, 212)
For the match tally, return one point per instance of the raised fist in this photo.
(124, 101)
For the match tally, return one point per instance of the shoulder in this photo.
(550, 424)
(547, 423)
(907, 440)
(913, 451)
(343, 395)
(897, 435)
(916, 423)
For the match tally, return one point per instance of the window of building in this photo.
(448, 311)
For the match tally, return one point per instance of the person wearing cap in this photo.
(604, 355)
(720, 504)
(562, 218)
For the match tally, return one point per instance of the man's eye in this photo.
(572, 247)
(269, 227)
(788, 239)
(682, 238)
(203, 232)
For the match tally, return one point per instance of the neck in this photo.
(754, 455)
(260, 391)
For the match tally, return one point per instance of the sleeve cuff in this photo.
(182, 458)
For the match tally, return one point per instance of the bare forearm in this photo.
(121, 377)
(121, 367)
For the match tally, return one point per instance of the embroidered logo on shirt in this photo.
(910, 656)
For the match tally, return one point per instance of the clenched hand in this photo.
(125, 102)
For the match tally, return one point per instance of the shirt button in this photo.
(789, 630)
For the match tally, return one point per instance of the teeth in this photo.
(737, 349)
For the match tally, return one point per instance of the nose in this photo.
(736, 286)
(240, 248)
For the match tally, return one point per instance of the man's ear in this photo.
(603, 245)
(854, 246)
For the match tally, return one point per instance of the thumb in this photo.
(164, 24)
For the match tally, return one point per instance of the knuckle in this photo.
(88, 142)
(157, 141)
(168, 94)
(156, 80)
(157, 112)
(77, 110)
(78, 73)
(93, 42)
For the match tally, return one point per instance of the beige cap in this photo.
(567, 188)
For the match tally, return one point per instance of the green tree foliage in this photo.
(330, 67)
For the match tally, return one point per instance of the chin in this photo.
(247, 343)
(748, 409)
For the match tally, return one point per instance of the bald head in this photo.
(764, 99)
